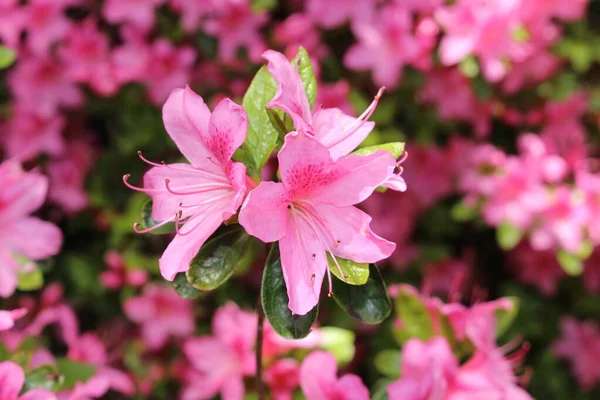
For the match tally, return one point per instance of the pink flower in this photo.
(385, 45)
(591, 273)
(427, 369)
(11, 22)
(192, 12)
(67, 177)
(12, 379)
(283, 377)
(221, 361)
(28, 134)
(22, 235)
(537, 267)
(335, 95)
(131, 59)
(118, 275)
(205, 193)
(319, 381)
(8, 318)
(275, 345)
(42, 86)
(139, 13)
(333, 13)
(46, 23)
(86, 52)
(237, 26)
(580, 345)
(311, 214)
(299, 30)
(162, 314)
(168, 68)
(60, 315)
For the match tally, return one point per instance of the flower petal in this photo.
(304, 264)
(227, 129)
(329, 128)
(12, 379)
(353, 386)
(186, 118)
(291, 96)
(33, 238)
(22, 192)
(264, 213)
(318, 375)
(38, 394)
(350, 226)
(8, 274)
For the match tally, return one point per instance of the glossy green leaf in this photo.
(217, 259)
(7, 57)
(148, 222)
(307, 74)
(415, 321)
(368, 303)
(262, 135)
(74, 372)
(354, 273)
(387, 363)
(396, 148)
(570, 263)
(30, 281)
(44, 377)
(184, 288)
(339, 342)
(275, 302)
(508, 236)
(505, 318)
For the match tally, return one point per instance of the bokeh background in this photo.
(498, 102)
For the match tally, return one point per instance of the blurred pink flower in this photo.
(205, 193)
(580, 345)
(192, 12)
(311, 214)
(8, 318)
(12, 379)
(119, 275)
(139, 13)
(385, 44)
(283, 377)
(333, 13)
(237, 26)
(11, 22)
(131, 59)
(335, 95)
(221, 361)
(536, 267)
(299, 30)
(22, 236)
(42, 85)
(591, 273)
(46, 23)
(319, 381)
(161, 313)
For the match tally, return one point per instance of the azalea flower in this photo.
(12, 379)
(199, 196)
(22, 237)
(221, 361)
(8, 318)
(138, 13)
(283, 377)
(311, 214)
(318, 380)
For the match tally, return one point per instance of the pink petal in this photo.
(186, 118)
(22, 193)
(453, 49)
(8, 274)
(233, 388)
(264, 213)
(291, 96)
(303, 273)
(405, 389)
(38, 394)
(227, 129)
(12, 379)
(33, 238)
(352, 388)
(139, 309)
(8, 318)
(185, 246)
(358, 243)
(329, 126)
(235, 327)
(318, 375)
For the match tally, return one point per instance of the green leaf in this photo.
(461, 213)
(7, 57)
(469, 67)
(30, 281)
(570, 263)
(355, 273)
(396, 148)
(263, 5)
(44, 377)
(183, 288)
(74, 372)
(307, 74)
(505, 318)
(414, 316)
(368, 303)
(217, 259)
(339, 342)
(149, 222)
(277, 123)
(262, 135)
(387, 363)
(508, 236)
(275, 302)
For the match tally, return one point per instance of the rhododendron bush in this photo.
(320, 199)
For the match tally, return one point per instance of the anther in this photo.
(329, 294)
